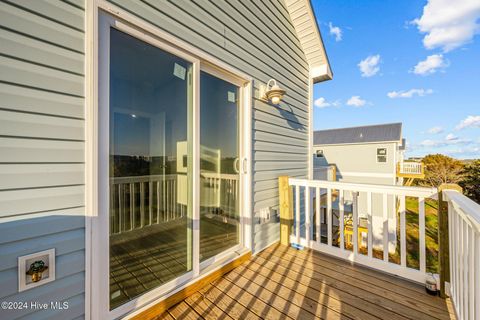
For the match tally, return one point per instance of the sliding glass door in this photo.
(150, 231)
(169, 167)
(219, 165)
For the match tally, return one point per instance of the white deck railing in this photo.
(410, 167)
(464, 247)
(307, 230)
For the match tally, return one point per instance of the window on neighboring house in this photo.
(381, 154)
(319, 153)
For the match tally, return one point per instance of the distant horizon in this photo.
(397, 67)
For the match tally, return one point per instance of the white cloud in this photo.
(335, 31)
(470, 121)
(323, 103)
(410, 93)
(471, 151)
(449, 24)
(369, 66)
(451, 137)
(435, 130)
(356, 101)
(430, 65)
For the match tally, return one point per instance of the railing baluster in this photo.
(158, 202)
(465, 269)
(355, 222)
(132, 206)
(471, 272)
(150, 202)
(317, 214)
(142, 204)
(403, 233)
(421, 226)
(477, 274)
(369, 215)
(297, 213)
(455, 255)
(451, 247)
(308, 218)
(385, 227)
(460, 269)
(341, 219)
(121, 208)
(329, 216)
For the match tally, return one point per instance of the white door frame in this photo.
(100, 16)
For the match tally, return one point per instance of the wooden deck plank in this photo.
(419, 299)
(393, 285)
(337, 280)
(184, 312)
(312, 297)
(227, 304)
(205, 308)
(286, 301)
(283, 283)
(248, 300)
(348, 303)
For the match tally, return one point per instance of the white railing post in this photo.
(370, 231)
(308, 229)
(329, 216)
(385, 227)
(421, 231)
(403, 233)
(341, 218)
(355, 222)
(317, 215)
(297, 213)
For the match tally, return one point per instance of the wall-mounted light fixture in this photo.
(273, 92)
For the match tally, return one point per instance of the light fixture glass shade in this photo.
(276, 100)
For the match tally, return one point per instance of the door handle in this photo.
(245, 165)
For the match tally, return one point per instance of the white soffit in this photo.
(305, 24)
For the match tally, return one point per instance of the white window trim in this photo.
(386, 155)
(97, 290)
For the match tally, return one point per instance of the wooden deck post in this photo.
(286, 209)
(443, 244)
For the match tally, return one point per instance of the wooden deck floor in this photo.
(283, 283)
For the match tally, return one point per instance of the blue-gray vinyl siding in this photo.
(42, 123)
(257, 38)
(42, 150)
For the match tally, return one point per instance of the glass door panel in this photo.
(150, 167)
(219, 165)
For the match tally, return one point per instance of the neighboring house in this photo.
(137, 151)
(366, 154)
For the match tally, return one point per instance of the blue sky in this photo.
(421, 66)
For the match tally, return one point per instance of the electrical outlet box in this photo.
(36, 269)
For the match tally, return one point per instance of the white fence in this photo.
(464, 247)
(307, 231)
(410, 167)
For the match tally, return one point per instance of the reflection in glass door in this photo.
(150, 167)
(219, 165)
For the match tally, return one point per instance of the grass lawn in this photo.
(431, 235)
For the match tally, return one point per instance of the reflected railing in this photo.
(137, 202)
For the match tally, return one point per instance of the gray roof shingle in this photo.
(373, 133)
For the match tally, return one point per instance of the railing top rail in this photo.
(374, 188)
(467, 206)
